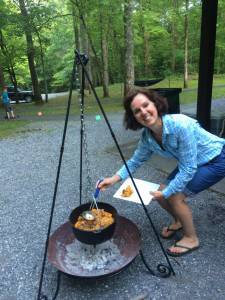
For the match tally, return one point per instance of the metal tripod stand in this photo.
(162, 270)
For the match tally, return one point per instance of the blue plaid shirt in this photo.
(183, 139)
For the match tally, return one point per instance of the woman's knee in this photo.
(176, 199)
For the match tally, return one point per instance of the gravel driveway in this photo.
(28, 172)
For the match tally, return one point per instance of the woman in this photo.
(200, 156)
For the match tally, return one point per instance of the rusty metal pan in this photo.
(126, 239)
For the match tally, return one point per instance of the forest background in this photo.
(125, 40)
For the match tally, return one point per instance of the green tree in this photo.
(27, 25)
(186, 44)
(129, 46)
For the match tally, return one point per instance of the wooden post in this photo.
(206, 61)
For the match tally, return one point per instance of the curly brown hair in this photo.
(129, 119)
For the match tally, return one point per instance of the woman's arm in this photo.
(141, 154)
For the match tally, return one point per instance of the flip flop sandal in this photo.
(176, 254)
(173, 232)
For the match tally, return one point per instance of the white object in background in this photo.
(144, 188)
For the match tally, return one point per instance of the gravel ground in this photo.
(28, 172)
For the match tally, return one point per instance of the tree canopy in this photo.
(57, 28)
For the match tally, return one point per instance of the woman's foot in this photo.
(184, 246)
(169, 231)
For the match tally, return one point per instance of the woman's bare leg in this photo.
(183, 213)
(175, 224)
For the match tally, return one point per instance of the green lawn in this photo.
(11, 127)
(27, 112)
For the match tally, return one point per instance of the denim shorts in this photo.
(7, 107)
(205, 176)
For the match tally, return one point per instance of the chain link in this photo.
(88, 185)
(87, 163)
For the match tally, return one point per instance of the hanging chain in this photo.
(88, 185)
(88, 169)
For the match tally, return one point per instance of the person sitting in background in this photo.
(200, 156)
(6, 104)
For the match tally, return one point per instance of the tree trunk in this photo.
(103, 21)
(173, 58)
(89, 67)
(84, 43)
(117, 58)
(8, 61)
(78, 5)
(30, 51)
(186, 45)
(146, 44)
(76, 33)
(129, 46)
(147, 71)
(43, 65)
(174, 34)
(105, 65)
(2, 79)
(104, 51)
(76, 30)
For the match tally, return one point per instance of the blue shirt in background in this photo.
(183, 139)
(5, 97)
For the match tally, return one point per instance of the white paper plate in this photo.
(144, 187)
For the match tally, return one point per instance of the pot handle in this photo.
(97, 190)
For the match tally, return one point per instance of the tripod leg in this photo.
(56, 182)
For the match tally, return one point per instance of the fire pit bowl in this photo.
(93, 237)
(64, 248)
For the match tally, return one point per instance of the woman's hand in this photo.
(157, 195)
(108, 181)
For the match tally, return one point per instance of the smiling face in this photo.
(144, 111)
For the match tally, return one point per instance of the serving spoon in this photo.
(88, 214)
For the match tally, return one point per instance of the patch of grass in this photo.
(190, 96)
(57, 106)
(178, 82)
(11, 127)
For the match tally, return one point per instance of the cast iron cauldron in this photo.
(93, 237)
